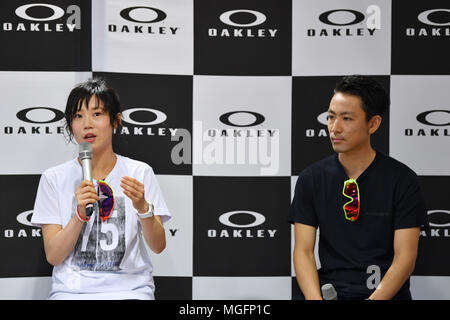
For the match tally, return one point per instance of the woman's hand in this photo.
(85, 194)
(134, 190)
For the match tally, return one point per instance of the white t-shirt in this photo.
(110, 260)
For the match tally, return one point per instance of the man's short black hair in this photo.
(83, 92)
(375, 100)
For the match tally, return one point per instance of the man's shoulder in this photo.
(321, 166)
(395, 166)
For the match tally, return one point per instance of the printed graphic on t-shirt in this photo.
(101, 244)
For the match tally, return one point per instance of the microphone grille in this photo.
(85, 150)
(328, 292)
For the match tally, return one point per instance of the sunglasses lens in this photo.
(106, 200)
(351, 208)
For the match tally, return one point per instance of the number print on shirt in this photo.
(101, 245)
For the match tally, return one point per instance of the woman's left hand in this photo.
(134, 190)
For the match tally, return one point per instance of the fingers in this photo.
(132, 188)
(86, 193)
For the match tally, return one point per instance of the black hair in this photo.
(83, 92)
(375, 100)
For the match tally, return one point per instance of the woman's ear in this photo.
(118, 120)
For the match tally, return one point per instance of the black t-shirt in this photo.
(350, 251)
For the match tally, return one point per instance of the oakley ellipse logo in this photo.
(322, 118)
(226, 18)
(356, 15)
(439, 218)
(55, 115)
(22, 12)
(434, 118)
(159, 116)
(143, 14)
(424, 17)
(227, 118)
(24, 219)
(258, 219)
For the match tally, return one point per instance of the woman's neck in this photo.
(102, 164)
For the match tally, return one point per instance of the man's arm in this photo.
(305, 262)
(405, 253)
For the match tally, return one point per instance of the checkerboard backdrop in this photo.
(226, 101)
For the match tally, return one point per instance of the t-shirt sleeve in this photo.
(154, 195)
(409, 209)
(46, 207)
(302, 206)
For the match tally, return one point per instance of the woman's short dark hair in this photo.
(375, 100)
(83, 92)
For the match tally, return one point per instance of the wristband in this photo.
(150, 213)
(80, 218)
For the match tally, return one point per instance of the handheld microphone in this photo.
(85, 154)
(328, 292)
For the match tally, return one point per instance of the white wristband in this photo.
(80, 218)
(148, 214)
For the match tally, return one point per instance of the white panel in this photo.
(258, 134)
(152, 46)
(241, 288)
(30, 148)
(25, 288)
(430, 288)
(320, 48)
(420, 123)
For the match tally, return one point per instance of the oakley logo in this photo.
(143, 14)
(439, 218)
(258, 219)
(225, 119)
(24, 218)
(73, 20)
(318, 132)
(322, 118)
(130, 116)
(57, 12)
(348, 17)
(241, 229)
(424, 17)
(39, 116)
(340, 18)
(356, 15)
(240, 23)
(258, 18)
(435, 118)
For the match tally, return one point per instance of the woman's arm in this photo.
(59, 242)
(153, 229)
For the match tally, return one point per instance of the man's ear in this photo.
(374, 123)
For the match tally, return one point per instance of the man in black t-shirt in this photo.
(369, 207)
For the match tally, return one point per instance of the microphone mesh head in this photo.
(85, 150)
(328, 292)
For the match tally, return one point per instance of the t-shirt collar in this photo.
(364, 173)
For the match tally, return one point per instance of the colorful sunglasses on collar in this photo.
(106, 202)
(352, 207)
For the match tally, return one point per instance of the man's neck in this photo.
(356, 161)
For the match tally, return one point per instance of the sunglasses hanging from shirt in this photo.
(106, 202)
(352, 207)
